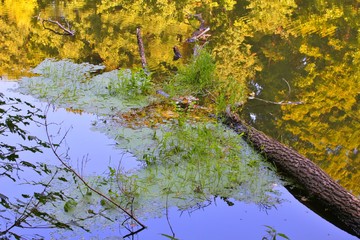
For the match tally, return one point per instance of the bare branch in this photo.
(167, 215)
(28, 209)
(65, 30)
(288, 86)
(67, 166)
(278, 103)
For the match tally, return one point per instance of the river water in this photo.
(299, 59)
(215, 221)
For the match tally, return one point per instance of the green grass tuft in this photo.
(198, 78)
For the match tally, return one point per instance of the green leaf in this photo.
(62, 225)
(25, 195)
(102, 202)
(3, 197)
(70, 205)
(31, 138)
(170, 237)
(63, 179)
(27, 164)
(283, 235)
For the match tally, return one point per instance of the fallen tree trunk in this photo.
(317, 184)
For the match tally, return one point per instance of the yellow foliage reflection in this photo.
(327, 126)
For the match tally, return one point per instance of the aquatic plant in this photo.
(273, 234)
(232, 93)
(131, 83)
(201, 78)
(204, 159)
(186, 166)
(197, 78)
(211, 160)
(76, 86)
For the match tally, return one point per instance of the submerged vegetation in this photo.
(209, 160)
(186, 163)
(218, 166)
(75, 86)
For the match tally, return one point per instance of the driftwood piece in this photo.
(338, 202)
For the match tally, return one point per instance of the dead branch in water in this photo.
(277, 103)
(141, 49)
(283, 102)
(199, 34)
(54, 149)
(65, 30)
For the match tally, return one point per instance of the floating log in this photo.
(318, 185)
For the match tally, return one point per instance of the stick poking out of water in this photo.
(141, 49)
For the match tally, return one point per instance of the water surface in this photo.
(297, 51)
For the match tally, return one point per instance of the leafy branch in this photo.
(13, 119)
(33, 210)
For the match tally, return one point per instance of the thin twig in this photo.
(278, 103)
(25, 214)
(167, 215)
(62, 139)
(54, 150)
(288, 86)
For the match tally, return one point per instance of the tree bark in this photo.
(318, 185)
